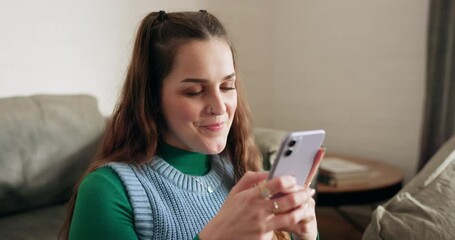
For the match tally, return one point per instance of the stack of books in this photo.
(340, 172)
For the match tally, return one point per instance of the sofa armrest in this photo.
(268, 141)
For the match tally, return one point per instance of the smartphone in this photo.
(296, 156)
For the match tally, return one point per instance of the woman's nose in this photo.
(216, 105)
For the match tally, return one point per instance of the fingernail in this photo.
(312, 191)
(293, 179)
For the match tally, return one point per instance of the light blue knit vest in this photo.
(168, 204)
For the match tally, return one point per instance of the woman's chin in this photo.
(213, 149)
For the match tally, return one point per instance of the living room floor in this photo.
(332, 225)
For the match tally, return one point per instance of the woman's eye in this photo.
(194, 92)
(227, 87)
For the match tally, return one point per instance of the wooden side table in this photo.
(384, 182)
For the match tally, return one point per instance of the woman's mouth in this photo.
(215, 127)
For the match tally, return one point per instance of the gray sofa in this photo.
(46, 142)
(425, 206)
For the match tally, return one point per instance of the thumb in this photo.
(249, 180)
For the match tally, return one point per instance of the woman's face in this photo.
(199, 97)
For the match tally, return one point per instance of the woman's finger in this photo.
(291, 201)
(248, 180)
(277, 185)
(317, 160)
(295, 219)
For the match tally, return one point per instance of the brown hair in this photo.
(137, 126)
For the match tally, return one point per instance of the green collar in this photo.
(191, 163)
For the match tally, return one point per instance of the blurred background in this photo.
(354, 68)
(357, 69)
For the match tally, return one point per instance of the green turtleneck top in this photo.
(191, 163)
(102, 209)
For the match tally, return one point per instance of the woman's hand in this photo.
(249, 212)
(306, 227)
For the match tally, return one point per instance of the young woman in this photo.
(178, 160)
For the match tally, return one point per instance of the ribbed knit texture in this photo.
(168, 204)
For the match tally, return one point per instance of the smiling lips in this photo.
(215, 127)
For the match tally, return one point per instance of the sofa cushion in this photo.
(43, 223)
(424, 209)
(45, 144)
(268, 141)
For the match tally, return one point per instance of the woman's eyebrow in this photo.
(194, 80)
(230, 76)
(203, 80)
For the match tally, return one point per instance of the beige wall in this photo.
(355, 68)
(63, 47)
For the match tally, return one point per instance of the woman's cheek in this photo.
(188, 112)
